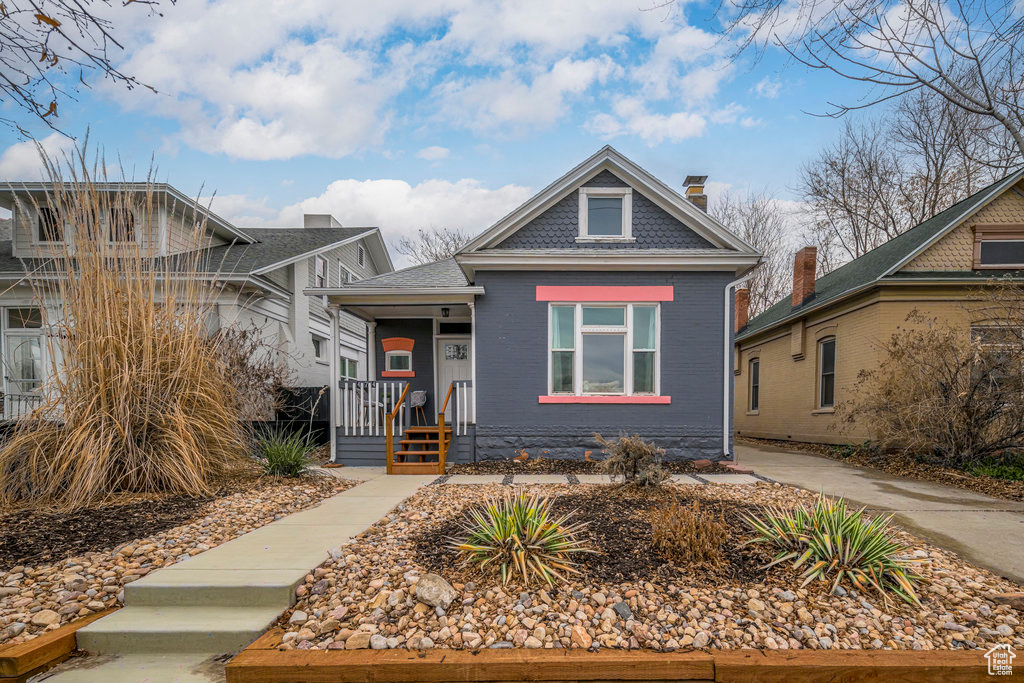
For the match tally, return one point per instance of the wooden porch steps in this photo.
(425, 430)
(414, 468)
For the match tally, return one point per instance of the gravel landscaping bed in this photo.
(56, 568)
(900, 465)
(627, 597)
(565, 466)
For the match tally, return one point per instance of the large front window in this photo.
(604, 349)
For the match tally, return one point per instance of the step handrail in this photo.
(389, 427)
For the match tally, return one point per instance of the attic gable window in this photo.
(605, 214)
(999, 246)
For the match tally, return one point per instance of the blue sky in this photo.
(408, 114)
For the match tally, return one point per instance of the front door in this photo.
(454, 363)
(23, 372)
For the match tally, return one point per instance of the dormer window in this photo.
(606, 214)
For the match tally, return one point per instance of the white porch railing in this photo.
(17, 406)
(364, 407)
(464, 404)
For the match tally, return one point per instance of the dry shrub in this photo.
(945, 392)
(635, 460)
(684, 534)
(257, 370)
(138, 398)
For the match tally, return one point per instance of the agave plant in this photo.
(519, 535)
(835, 544)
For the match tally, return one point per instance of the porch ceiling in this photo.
(456, 311)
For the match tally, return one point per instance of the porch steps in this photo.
(177, 629)
(213, 588)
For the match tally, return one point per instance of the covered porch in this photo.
(415, 411)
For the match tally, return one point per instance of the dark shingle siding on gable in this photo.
(558, 227)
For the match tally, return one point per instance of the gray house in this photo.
(600, 305)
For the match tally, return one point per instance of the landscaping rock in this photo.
(1014, 600)
(622, 609)
(46, 617)
(358, 641)
(433, 590)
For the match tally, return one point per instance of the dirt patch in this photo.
(565, 466)
(900, 465)
(619, 528)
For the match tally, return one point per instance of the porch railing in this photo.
(461, 391)
(17, 406)
(366, 407)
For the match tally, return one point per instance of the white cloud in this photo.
(768, 88)
(22, 160)
(632, 118)
(434, 153)
(396, 207)
(510, 101)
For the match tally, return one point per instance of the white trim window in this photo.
(606, 214)
(345, 274)
(604, 349)
(398, 361)
(755, 385)
(319, 271)
(120, 225)
(349, 368)
(827, 373)
(319, 347)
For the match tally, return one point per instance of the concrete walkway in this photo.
(223, 599)
(987, 531)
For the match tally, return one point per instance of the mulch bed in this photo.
(566, 466)
(619, 528)
(901, 465)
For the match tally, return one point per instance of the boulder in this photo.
(433, 590)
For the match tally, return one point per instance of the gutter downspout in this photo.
(726, 358)
(333, 384)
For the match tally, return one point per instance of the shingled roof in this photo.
(877, 264)
(444, 273)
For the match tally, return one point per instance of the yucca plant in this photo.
(283, 453)
(518, 535)
(834, 544)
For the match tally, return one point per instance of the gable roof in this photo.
(608, 158)
(883, 261)
(277, 247)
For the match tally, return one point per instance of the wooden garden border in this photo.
(261, 662)
(19, 662)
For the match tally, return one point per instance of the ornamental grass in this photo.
(137, 396)
(835, 545)
(519, 537)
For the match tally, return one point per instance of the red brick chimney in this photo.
(741, 310)
(804, 268)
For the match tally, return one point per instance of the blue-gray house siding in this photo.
(558, 227)
(512, 369)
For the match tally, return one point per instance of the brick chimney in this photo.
(804, 268)
(694, 185)
(741, 309)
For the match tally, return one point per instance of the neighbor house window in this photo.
(755, 385)
(345, 275)
(50, 227)
(604, 349)
(1008, 253)
(349, 368)
(1001, 343)
(360, 255)
(827, 372)
(606, 213)
(398, 361)
(319, 346)
(121, 225)
(320, 272)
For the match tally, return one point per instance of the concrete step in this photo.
(176, 629)
(181, 587)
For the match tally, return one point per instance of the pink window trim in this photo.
(648, 400)
(604, 293)
(398, 373)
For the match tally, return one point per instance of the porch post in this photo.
(333, 383)
(472, 353)
(371, 351)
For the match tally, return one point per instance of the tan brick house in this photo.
(796, 361)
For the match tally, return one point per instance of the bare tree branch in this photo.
(432, 244)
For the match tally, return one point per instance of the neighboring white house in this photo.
(261, 273)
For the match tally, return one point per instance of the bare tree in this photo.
(49, 48)
(886, 175)
(432, 244)
(968, 52)
(761, 221)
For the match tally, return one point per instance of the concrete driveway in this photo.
(987, 531)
